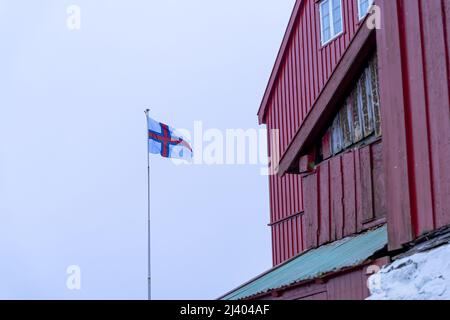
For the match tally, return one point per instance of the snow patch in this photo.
(422, 276)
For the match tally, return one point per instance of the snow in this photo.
(422, 276)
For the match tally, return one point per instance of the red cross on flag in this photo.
(164, 141)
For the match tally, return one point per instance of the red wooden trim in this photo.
(374, 223)
(334, 91)
(285, 219)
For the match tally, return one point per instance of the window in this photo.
(363, 8)
(358, 118)
(330, 19)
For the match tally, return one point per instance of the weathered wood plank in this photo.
(346, 123)
(369, 96)
(438, 106)
(326, 145)
(310, 195)
(375, 94)
(358, 192)
(416, 100)
(336, 136)
(366, 184)
(365, 105)
(324, 232)
(337, 213)
(394, 128)
(357, 120)
(446, 7)
(349, 192)
(378, 184)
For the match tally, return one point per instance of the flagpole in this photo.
(149, 278)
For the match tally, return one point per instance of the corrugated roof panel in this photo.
(335, 256)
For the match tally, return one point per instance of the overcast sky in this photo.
(73, 179)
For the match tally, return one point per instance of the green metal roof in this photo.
(312, 264)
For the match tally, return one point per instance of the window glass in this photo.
(325, 18)
(330, 19)
(363, 7)
(337, 17)
(358, 117)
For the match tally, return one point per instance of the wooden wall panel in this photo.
(348, 176)
(311, 209)
(413, 50)
(414, 186)
(304, 70)
(365, 167)
(348, 286)
(287, 239)
(337, 209)
(358, 192)
(334, 207)
(378, 181)
(395, 135)
(419, 119)
(437, 86)
(324, 208)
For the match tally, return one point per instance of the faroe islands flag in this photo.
(163, 140)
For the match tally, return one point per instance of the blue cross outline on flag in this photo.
(164, 141)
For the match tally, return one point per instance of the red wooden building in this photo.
(360, 97)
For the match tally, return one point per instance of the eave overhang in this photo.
(335, 90)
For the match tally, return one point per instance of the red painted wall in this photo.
(304, 71)
(343, 196)
(306, 68)
(413, 47)
(414, 60)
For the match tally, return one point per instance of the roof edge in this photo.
(348, 238)
(323, 277)
(280, 56)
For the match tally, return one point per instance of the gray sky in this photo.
(73, 152)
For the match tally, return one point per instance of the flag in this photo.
(164, 141)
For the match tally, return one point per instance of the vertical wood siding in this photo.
(414, 63)
(334, 206)
(340, 199)
(305, 70)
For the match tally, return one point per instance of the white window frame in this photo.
(330, 11)
(362, 15)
